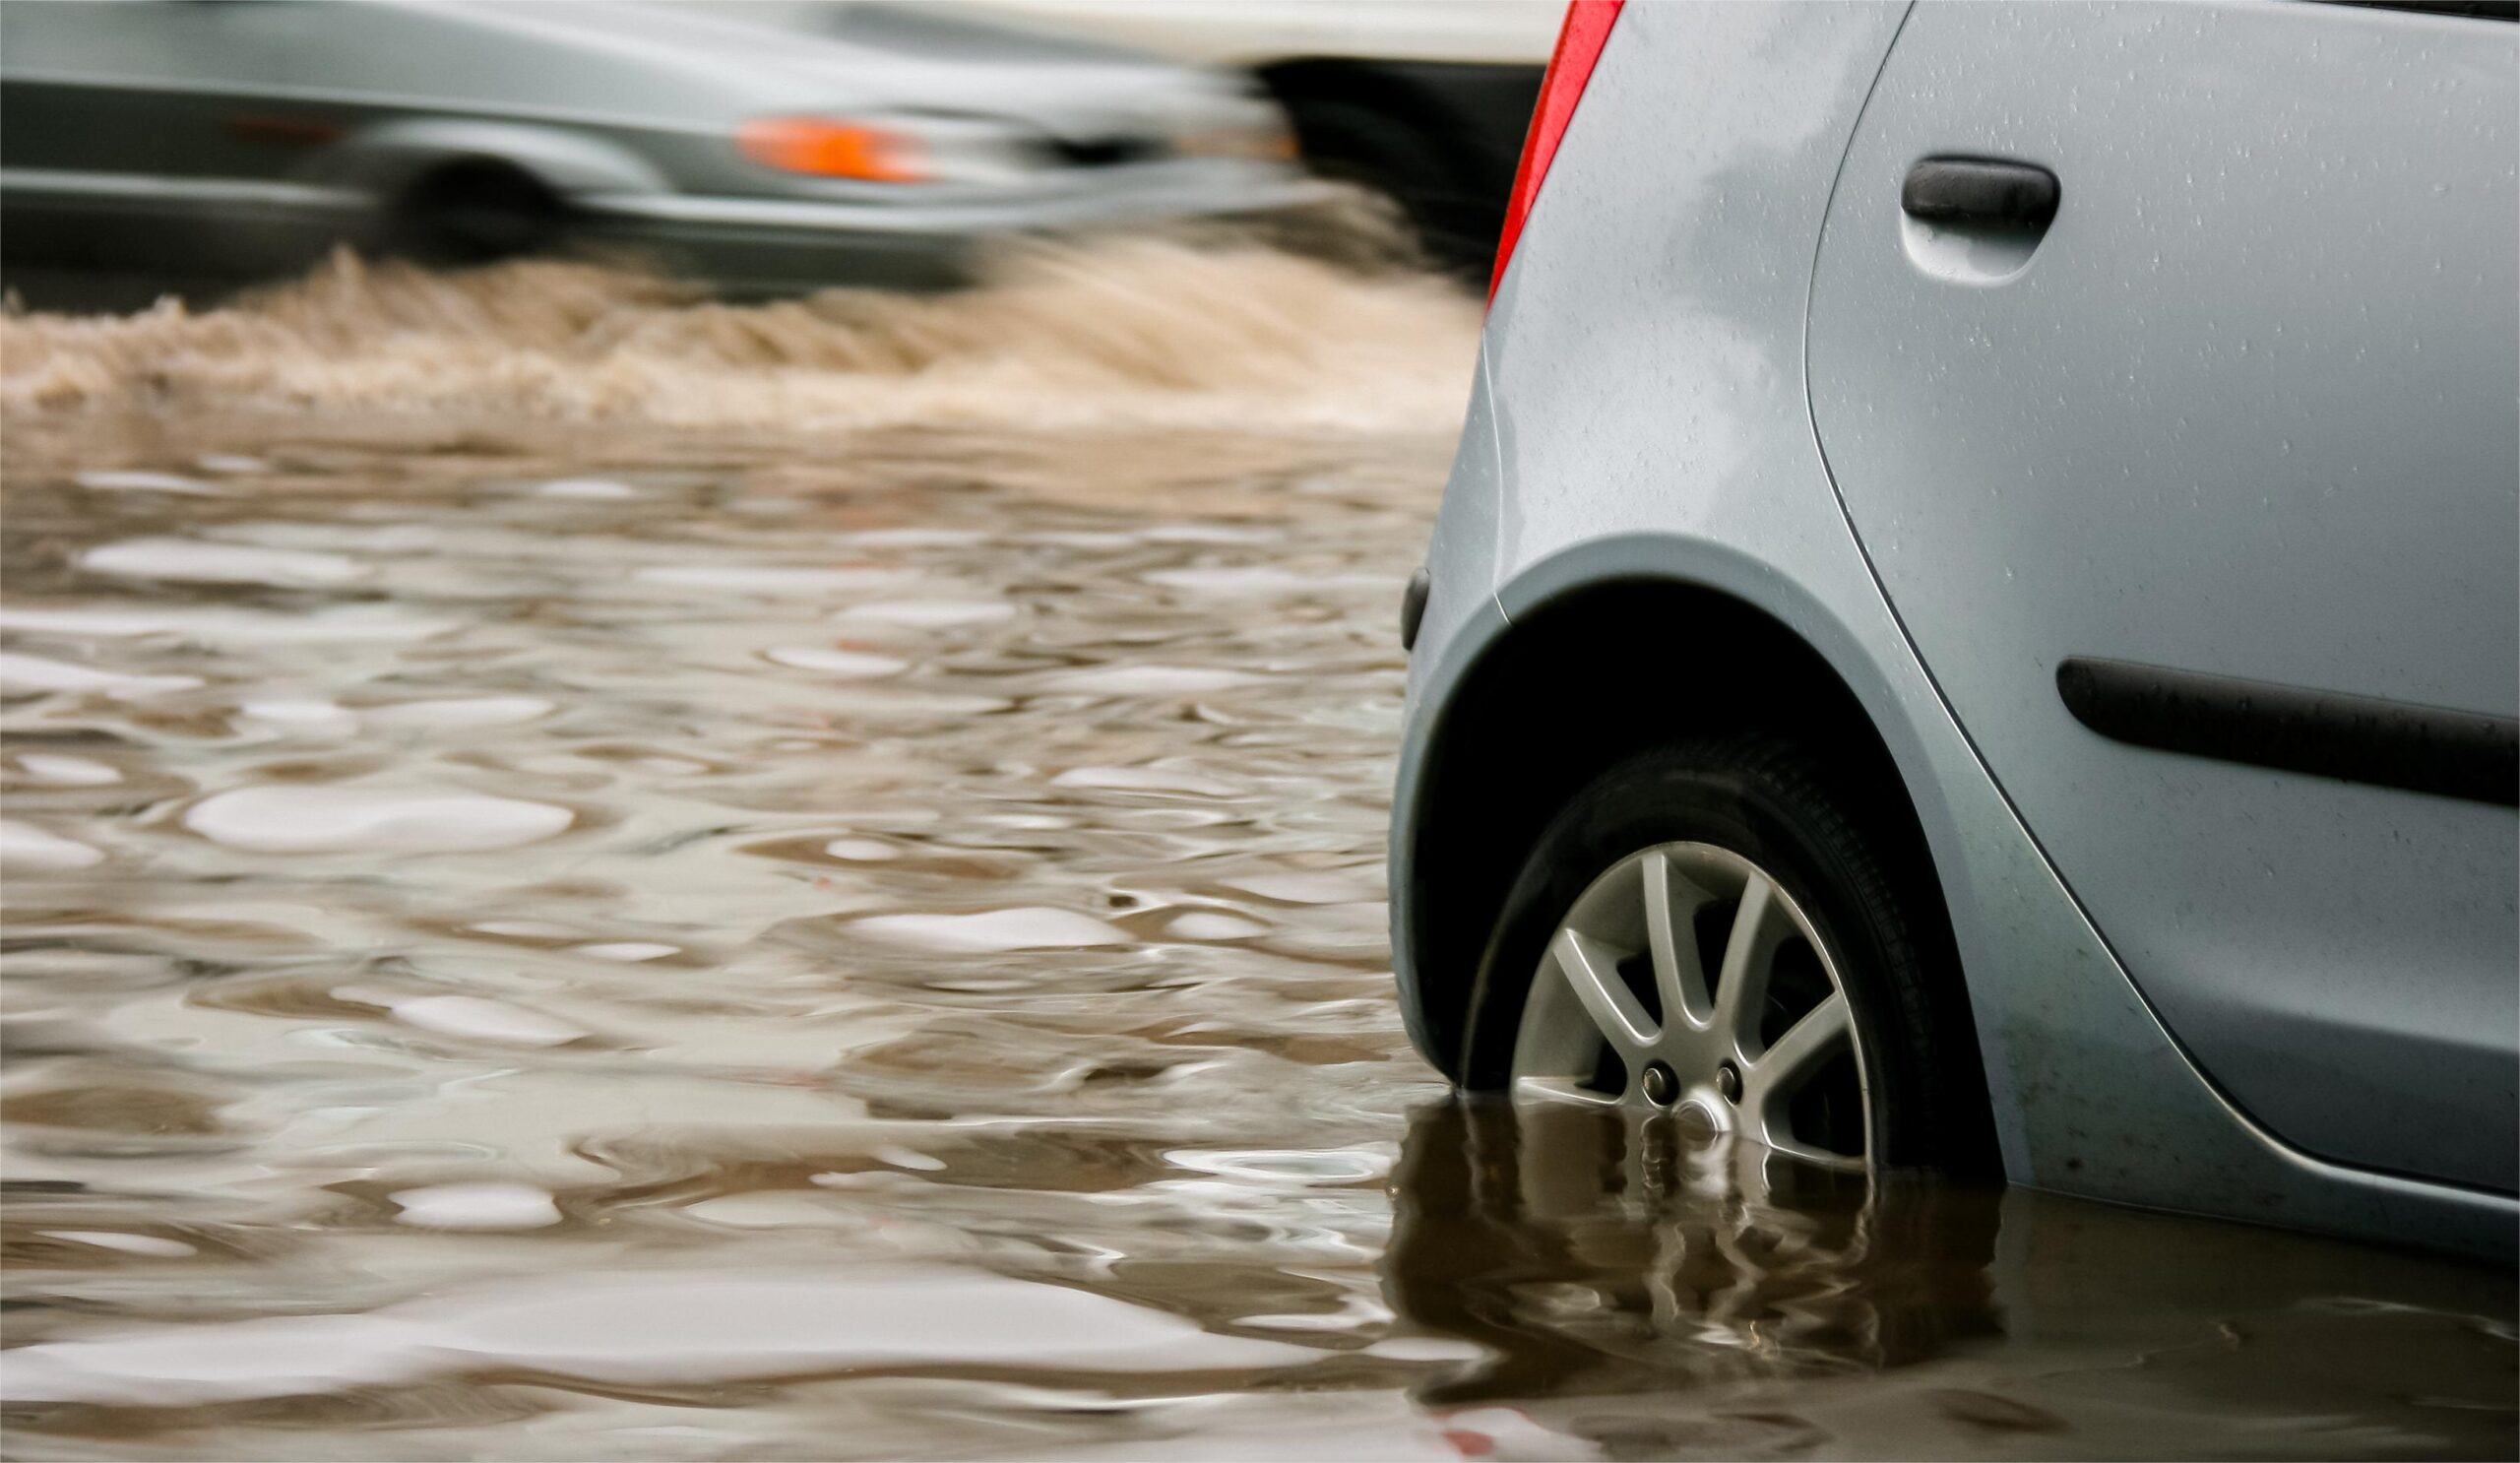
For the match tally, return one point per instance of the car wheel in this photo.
(1352, 142)
(1712, 929)
(473, 213)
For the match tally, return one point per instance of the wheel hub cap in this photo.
(1686, 978)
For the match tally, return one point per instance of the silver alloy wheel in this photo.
(1735, 1049)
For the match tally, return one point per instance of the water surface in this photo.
(587, 942)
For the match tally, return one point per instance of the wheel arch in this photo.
(1495, 750)
(387, 158)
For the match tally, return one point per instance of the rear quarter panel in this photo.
(1640, 411)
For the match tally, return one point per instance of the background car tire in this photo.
(1778, 806)
(1454, 219)
(471, 212)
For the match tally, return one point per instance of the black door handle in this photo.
(1971, 190)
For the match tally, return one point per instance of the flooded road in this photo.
(851, 925)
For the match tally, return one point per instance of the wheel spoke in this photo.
(1592, 967)
(1678, 975)
(1759, 925)
(1804, 1044)
(1769, 1082)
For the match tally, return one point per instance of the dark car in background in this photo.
(1422, 100)
(190, 143)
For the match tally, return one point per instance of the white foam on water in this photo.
(1208, 924)
(370, 821)
(769, 579)
(864, 697)
(915, 538)
(852, 664)
(1203, 533)
(343, 624)
(458, 712)
(928, 615)
(860, 851)
(1353, 1313)
(629, 952)
(314, 717)
(1030, 929)
(764, 1210)
(67, 771)
(1308, 888)
(476, 1206)
(593, 488)
(23, 673)
(1146, 779)
(25, 845)
(528, 930)
(632, 1329)
(484, 1020)
(1150, 680)
(194, 562)
(1301, 1166)
(871, 1180)
(1427, 1349)
(231, 461)
(115, 479)
(128, 1243)
(1264, 583)
(906, 1158)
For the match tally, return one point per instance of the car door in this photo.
(166, 89)
(2194, 482)
(131, 129)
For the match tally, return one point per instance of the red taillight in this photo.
(1579, 45)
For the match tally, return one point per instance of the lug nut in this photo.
(1661, 1087)
(1727, 1081)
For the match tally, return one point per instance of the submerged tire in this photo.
(1837, 1029)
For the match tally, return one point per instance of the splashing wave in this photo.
(1128, 330)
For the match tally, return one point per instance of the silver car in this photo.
(768, 146)
(1972, 625)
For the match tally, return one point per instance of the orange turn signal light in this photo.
(832, 149)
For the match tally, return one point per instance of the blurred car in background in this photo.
(1424, 100)
(190, 143)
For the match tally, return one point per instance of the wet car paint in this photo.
(592, 940)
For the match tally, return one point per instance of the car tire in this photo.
(473, 213)
(1863, 894)
(1349, 141)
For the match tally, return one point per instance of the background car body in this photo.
(1424, 100)
(243, 137)
(2248, 409)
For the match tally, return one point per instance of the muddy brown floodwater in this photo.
(853, 927)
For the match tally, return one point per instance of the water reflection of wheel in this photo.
(1610, 1250)
(1713, 929)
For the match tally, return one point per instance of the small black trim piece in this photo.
(1975, 190)
(1413, 607)
(2475, 10)
(2359, 739)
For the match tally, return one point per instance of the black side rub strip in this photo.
(2359, 738)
